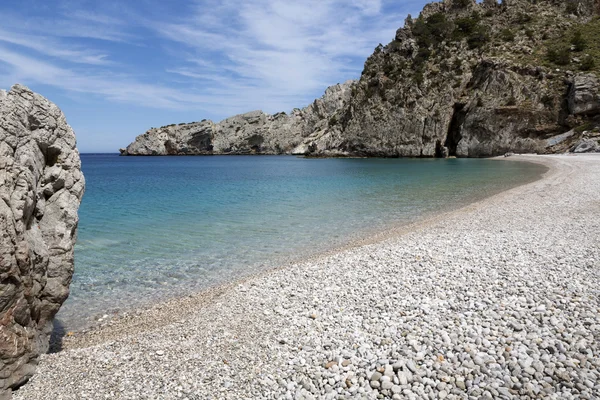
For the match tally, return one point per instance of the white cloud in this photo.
(277, 47)
(114, 87)
(54, 48)
(220, 56)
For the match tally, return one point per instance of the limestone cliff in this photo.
(251, 133)
(463, 79)
(41, 186)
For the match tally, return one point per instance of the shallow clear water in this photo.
(155, 227)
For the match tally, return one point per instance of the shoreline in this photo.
(497, 299)
(134, 320)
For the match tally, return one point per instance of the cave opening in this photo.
(454, 135)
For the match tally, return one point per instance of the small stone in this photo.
(516, 326)
(376, 376)
(330, 364)
(402, 378)
(589, 383)
(387, 385)
(389, 371)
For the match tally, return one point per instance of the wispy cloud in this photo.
(54, 48)
(221, 56)
(275, 47)
(114, 87)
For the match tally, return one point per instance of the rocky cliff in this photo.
(463, 79)
(251, 133)
(41, 186)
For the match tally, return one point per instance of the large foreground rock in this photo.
(41, 186)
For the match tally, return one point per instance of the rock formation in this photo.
(463, 79)
(41, 186)
(251, 133)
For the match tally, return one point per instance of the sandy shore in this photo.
(499, 299)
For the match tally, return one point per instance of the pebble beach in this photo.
(497, 300)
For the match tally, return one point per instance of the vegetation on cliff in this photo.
(463, 78)
(494, 74)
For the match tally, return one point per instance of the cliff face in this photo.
(469, 80)
(463, 79)
(41, 186)
(251, 133)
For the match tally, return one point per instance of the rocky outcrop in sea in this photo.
(41, 186)
(463, 79)
(252, 133)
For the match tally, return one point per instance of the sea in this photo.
(153, 228)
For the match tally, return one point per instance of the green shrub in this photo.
(507, 35)
(548, 101)
(464, 27)
(333, 120)
(478, 38)
(470, 28)
(523, 18)
(423, 55)
(529, 33)
(395, 45)
(432, 31)
(461, 3)
(578, 42)
(559, 56)
(458, 64)
(389, 69)
(588, 126)
(419, 77)
(588, 63)
(572, 8)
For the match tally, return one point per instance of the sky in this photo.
(118, 68)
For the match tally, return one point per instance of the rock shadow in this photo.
(56, 338)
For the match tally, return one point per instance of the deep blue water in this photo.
(154, 227)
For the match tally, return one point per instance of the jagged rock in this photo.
(587, 146)
(462, 80)
(584, 7)
(584, 95)
(183, 139)
(251, 133)
(41, 186)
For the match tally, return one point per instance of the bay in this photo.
(158, 227)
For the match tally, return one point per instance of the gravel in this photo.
(498, 300)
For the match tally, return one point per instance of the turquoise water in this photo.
(155, 227)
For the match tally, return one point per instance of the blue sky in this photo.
(118, 68)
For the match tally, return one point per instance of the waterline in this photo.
(154, 228)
